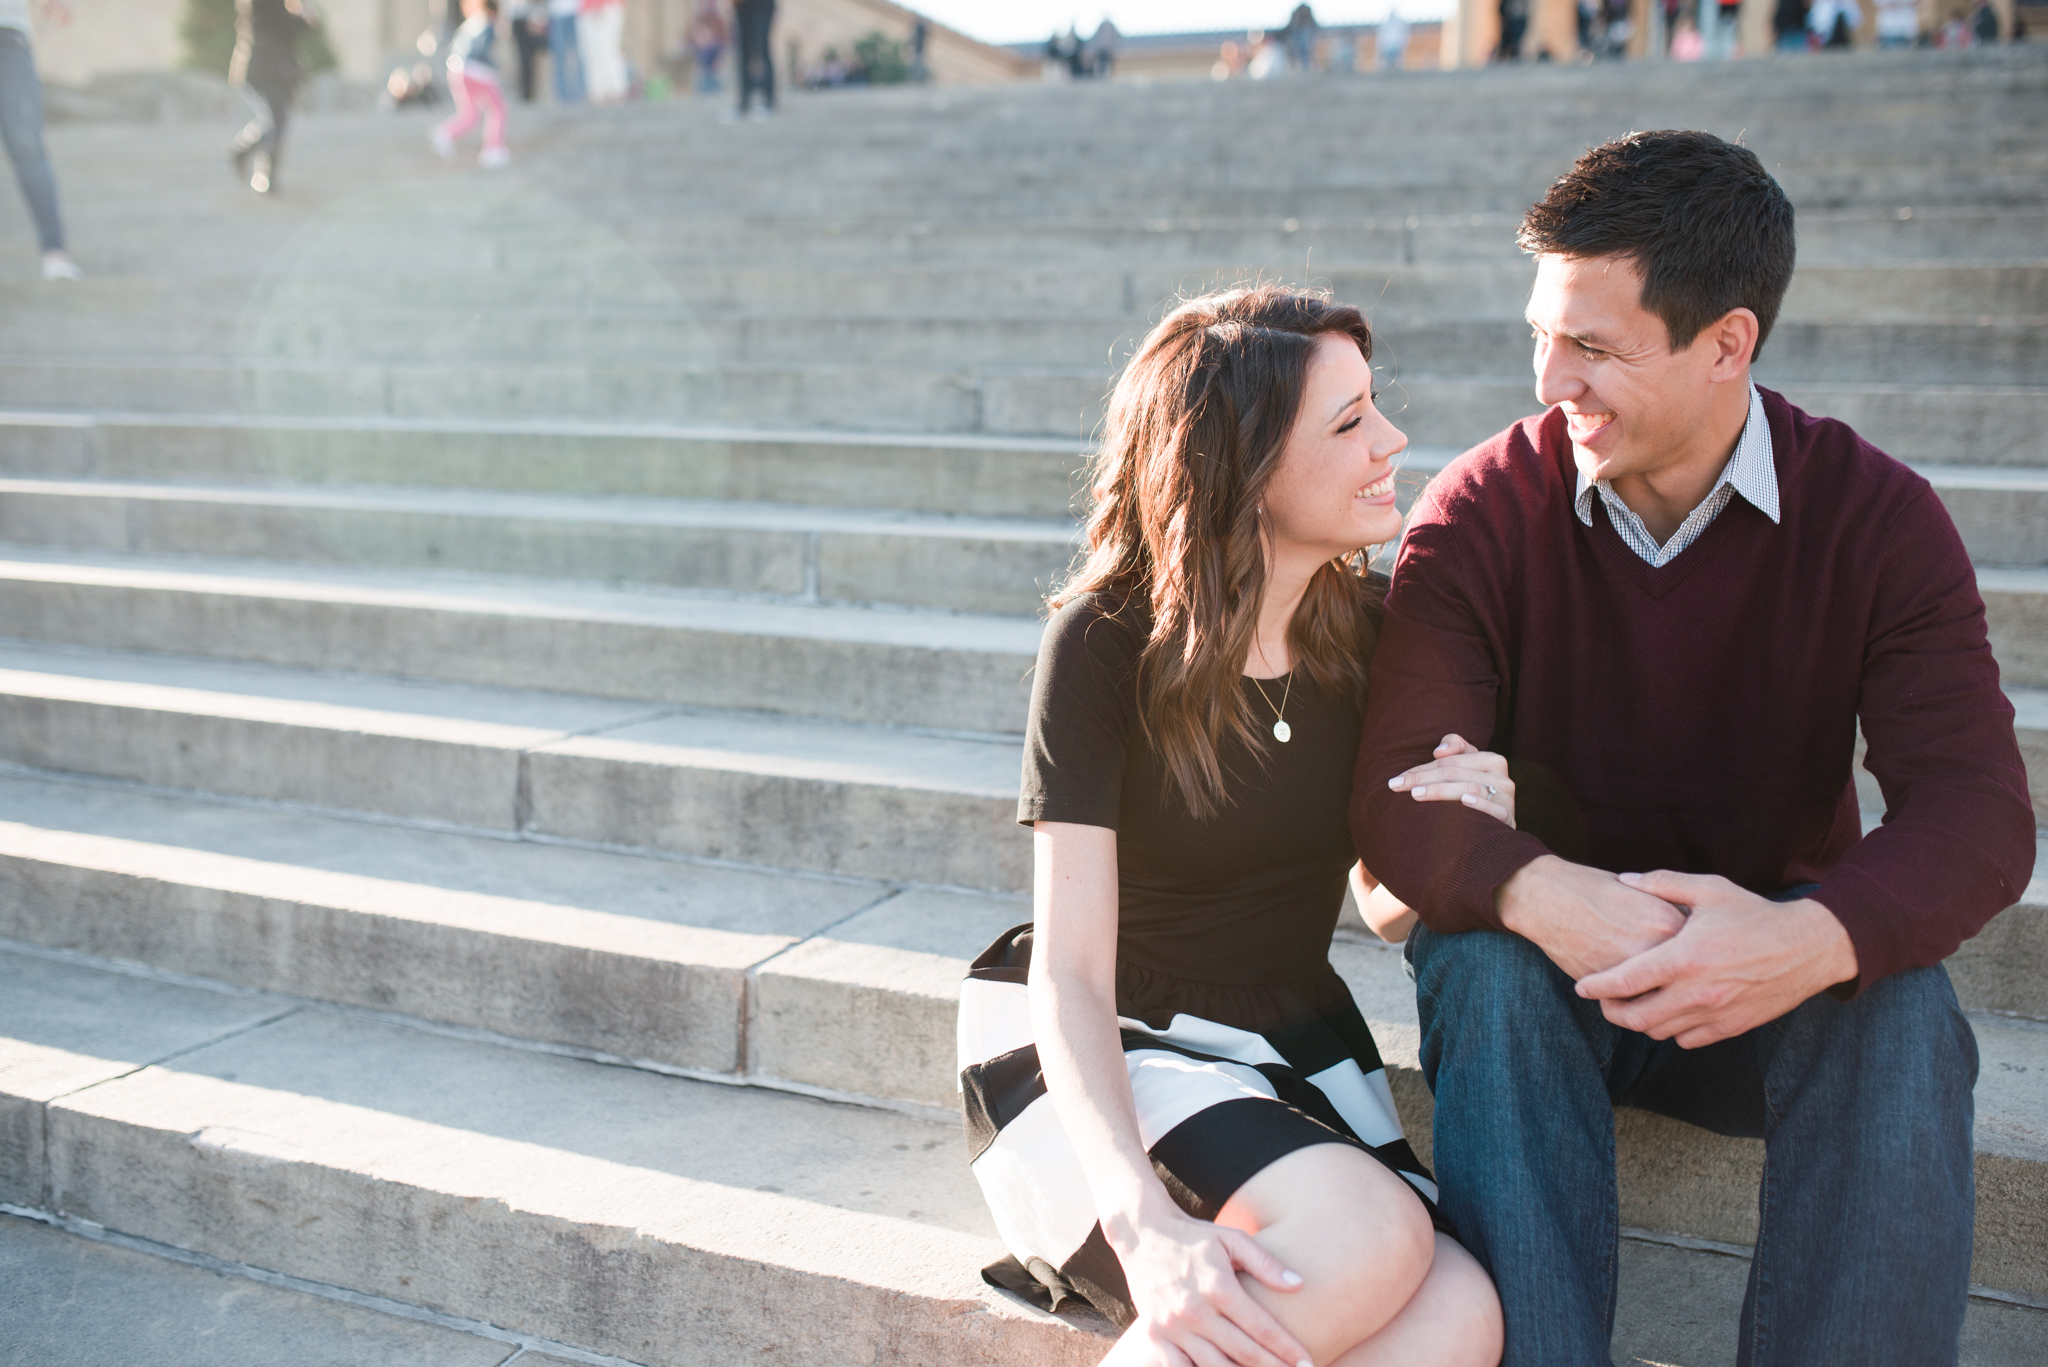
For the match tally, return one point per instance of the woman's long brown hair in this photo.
(1196, 426)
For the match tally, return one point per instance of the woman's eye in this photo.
(1349, 425)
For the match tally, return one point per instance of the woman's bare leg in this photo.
(1355, 1232)
(1453, 1321)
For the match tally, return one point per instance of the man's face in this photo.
(1632, 404)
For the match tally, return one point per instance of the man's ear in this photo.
(1733, 336)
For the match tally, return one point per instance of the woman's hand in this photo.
(1191, 1306)
(1461, 772)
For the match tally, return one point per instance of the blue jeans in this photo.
(21, 127)
(1865, 1109)
(565, 59)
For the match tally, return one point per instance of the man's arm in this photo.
(1956, 847)
(1957, 843)
(1439, 669)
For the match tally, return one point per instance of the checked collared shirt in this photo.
(1751, 472)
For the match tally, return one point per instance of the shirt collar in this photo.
(1752, 471)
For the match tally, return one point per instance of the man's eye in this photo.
(1589, 353)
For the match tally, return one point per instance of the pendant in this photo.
(1282, 732)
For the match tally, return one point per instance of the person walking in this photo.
(21, 127)
(1392, 41)
(755, 20)
(709, 37)
(1299, 38)
(565, 53)
(1671, 600)
(265, 69)
(1514, 26)
(601, 32)
(473, 81)
(529, 19)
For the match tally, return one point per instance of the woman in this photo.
(1166, 1083)
(265, 69)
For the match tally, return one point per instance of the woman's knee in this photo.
(1357, 1234)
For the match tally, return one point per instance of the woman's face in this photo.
(1333, 490)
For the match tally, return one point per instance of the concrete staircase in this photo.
(510, 687)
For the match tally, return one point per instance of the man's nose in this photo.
(1557, 378)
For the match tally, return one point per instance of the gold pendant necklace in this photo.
(1281, 730)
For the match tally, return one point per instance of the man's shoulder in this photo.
(1515, 474)
(1833, 469)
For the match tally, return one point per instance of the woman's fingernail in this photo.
(1398, 782)
(1631, 878)
(1291, 1278)
(1469, 800)
(1423, 789)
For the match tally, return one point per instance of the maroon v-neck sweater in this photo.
(1702, 717)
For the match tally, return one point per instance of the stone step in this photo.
(1959, 424)
(841, 984)
(88, 1296)
(978, 475)
(652, 1217)
(1977, 352)
(866, 802)
(1427, 293)
(91, 1298)
(944, 672)
(785, 552)
(1673, 1177)
(1010, 401)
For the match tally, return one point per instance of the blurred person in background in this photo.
(601, 32)
(473, 81)
(1687, 45)
(755, 20)
(265, 69)
(565, 54)
(1514, 25)
(1300, 38)
(1984, 24)
(530, 32)
(1721, 23)
(21, 126)
(1898, 23)
(1393, 41)
(1788, 22)
(709, 36)
(1833, 23)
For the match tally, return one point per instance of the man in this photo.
(1669, 601)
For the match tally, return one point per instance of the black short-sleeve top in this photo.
(1249, 894)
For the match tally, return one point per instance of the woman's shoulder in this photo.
(1101, 626)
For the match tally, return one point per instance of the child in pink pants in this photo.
(473, 80)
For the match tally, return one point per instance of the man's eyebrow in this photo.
(1589, 340)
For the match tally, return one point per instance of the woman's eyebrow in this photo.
(1338, 411)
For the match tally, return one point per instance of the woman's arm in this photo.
(1182, 1271)
(1458, 772)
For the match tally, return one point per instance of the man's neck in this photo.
(1665, 497)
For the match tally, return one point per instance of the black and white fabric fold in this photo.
(1227, 1077)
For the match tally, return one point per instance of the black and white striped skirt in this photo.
(1227, 1078)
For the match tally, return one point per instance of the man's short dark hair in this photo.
(1701, 218)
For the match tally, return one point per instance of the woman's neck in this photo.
(1286, 581)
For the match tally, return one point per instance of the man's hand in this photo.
(1740, 961)
(1585, 919)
